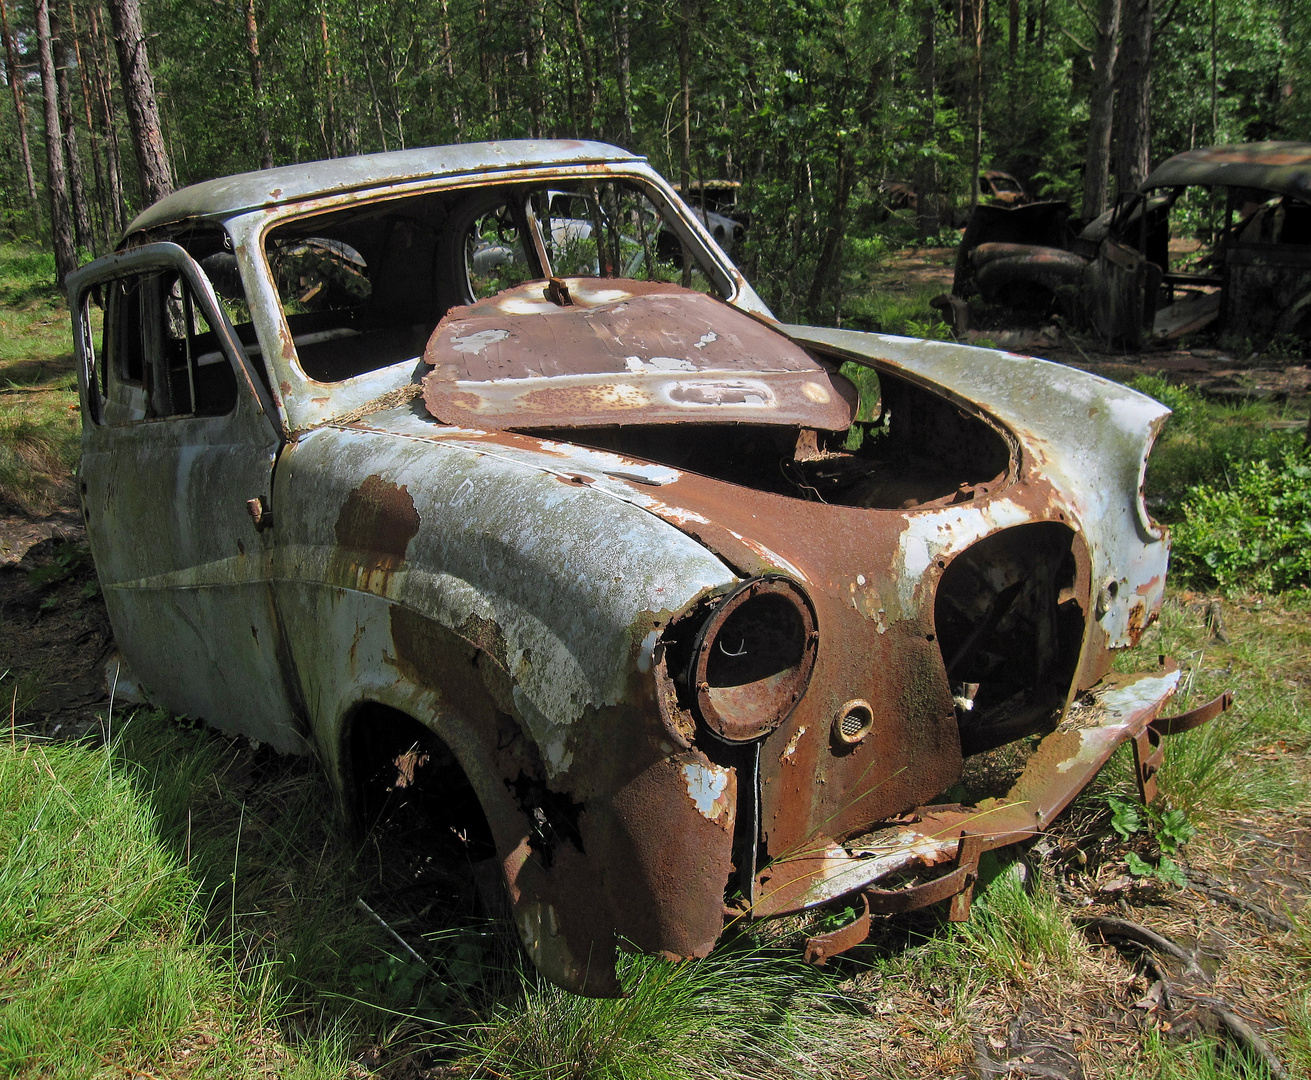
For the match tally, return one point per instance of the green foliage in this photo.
(1255, 532)
(739, 1013)
(1125, 819)
(1170, 829)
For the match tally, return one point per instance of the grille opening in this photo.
(1010, 624)
(762, 638)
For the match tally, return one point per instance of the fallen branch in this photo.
(1214, 888)
(1140, 935)
(1238, 1030)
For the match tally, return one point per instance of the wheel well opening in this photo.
(404, 780)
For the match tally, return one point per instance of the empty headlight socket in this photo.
(753, 658)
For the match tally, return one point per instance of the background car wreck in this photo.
(600, 571)
(1138, 274)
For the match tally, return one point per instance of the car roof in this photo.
(290, 183)
(1283, 167)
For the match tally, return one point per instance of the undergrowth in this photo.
(38, 398)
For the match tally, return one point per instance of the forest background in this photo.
(811, 105)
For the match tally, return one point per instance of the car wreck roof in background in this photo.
(290, 183)
(1284, 167)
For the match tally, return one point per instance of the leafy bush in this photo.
(1255, 532)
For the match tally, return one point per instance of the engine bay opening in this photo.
(1010, 623)
(920, 451)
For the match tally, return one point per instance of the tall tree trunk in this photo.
(685, 126)
(61, 225)
(1014, 27)
(329, 86)
(98, 172)
(100, 69)
(1097, 157)
(974, 45)
(139, 94)
(625, 73)
(68, 132)
(926, 171)
(457, 113)
(20, 107)
(1133, 114)
(589, 69)
(257, 87)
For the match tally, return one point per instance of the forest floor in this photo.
(1019, 991)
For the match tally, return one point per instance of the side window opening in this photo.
(159, 357)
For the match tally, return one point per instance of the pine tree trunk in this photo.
(61, 224)
(100, 73)
(139, 94)
(329, 122)
(457, 113)
(1133, 100)
(257, 87)
(20, 107)
(1097, 159)
(974, 44)
(68, 132)
(589, 70)
(926, 171)
(625, 73)
(685, 97)
(84, 81)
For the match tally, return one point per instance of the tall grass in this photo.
(38, 400)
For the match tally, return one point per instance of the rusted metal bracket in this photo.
(823, 947)
(1148, 750)
(1173, 725)
(957, 885)
(1148, 754)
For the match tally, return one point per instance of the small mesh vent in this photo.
(853, 722)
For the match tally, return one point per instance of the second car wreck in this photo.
(603, 562)
(1218, 236)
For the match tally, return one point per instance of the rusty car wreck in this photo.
(595, 547)
(1215, 236)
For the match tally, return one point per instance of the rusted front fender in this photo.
(515, 611)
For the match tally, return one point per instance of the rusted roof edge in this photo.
(290, 183)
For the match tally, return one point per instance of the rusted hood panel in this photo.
(1087, 436)
(623, 352)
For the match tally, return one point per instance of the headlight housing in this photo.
(753, 658)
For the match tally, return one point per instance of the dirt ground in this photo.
(1245, 874)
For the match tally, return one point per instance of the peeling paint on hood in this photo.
(635, 352)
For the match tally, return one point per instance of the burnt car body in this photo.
(586, 553)
(1134, 275)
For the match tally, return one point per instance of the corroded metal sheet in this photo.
(623, 352)
(1062, 765)
(1284, 167)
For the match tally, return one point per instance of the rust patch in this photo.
(378, 518)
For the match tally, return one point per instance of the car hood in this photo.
(623, 352)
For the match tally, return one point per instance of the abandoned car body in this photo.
(586, 548)
(1135, 274)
